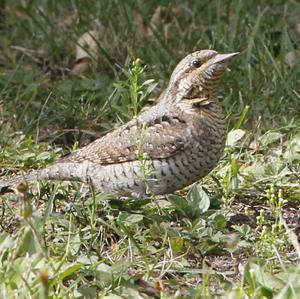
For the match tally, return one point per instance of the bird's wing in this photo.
(160, 137)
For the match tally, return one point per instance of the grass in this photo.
(235, 234)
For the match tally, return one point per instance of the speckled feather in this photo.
(169, 146)
(160, 137)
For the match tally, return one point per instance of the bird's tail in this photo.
(14, 181)
(59, 171)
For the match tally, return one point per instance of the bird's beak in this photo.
(223, 57)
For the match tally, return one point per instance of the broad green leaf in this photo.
(28, 243)
(6, 241)
(130, 219)
(269, 137)
(293, 149)
(177, 244)
(179, 203)
(234, 136)
(198, 198)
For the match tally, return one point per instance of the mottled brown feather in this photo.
(181, 138)
(160, 137)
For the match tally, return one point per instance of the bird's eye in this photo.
(196, 63)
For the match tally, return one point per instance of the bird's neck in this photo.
(192, 99)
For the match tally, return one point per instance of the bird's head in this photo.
(196, 77)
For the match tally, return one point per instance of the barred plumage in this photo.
(169, 146)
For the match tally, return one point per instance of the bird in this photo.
(166, 148)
